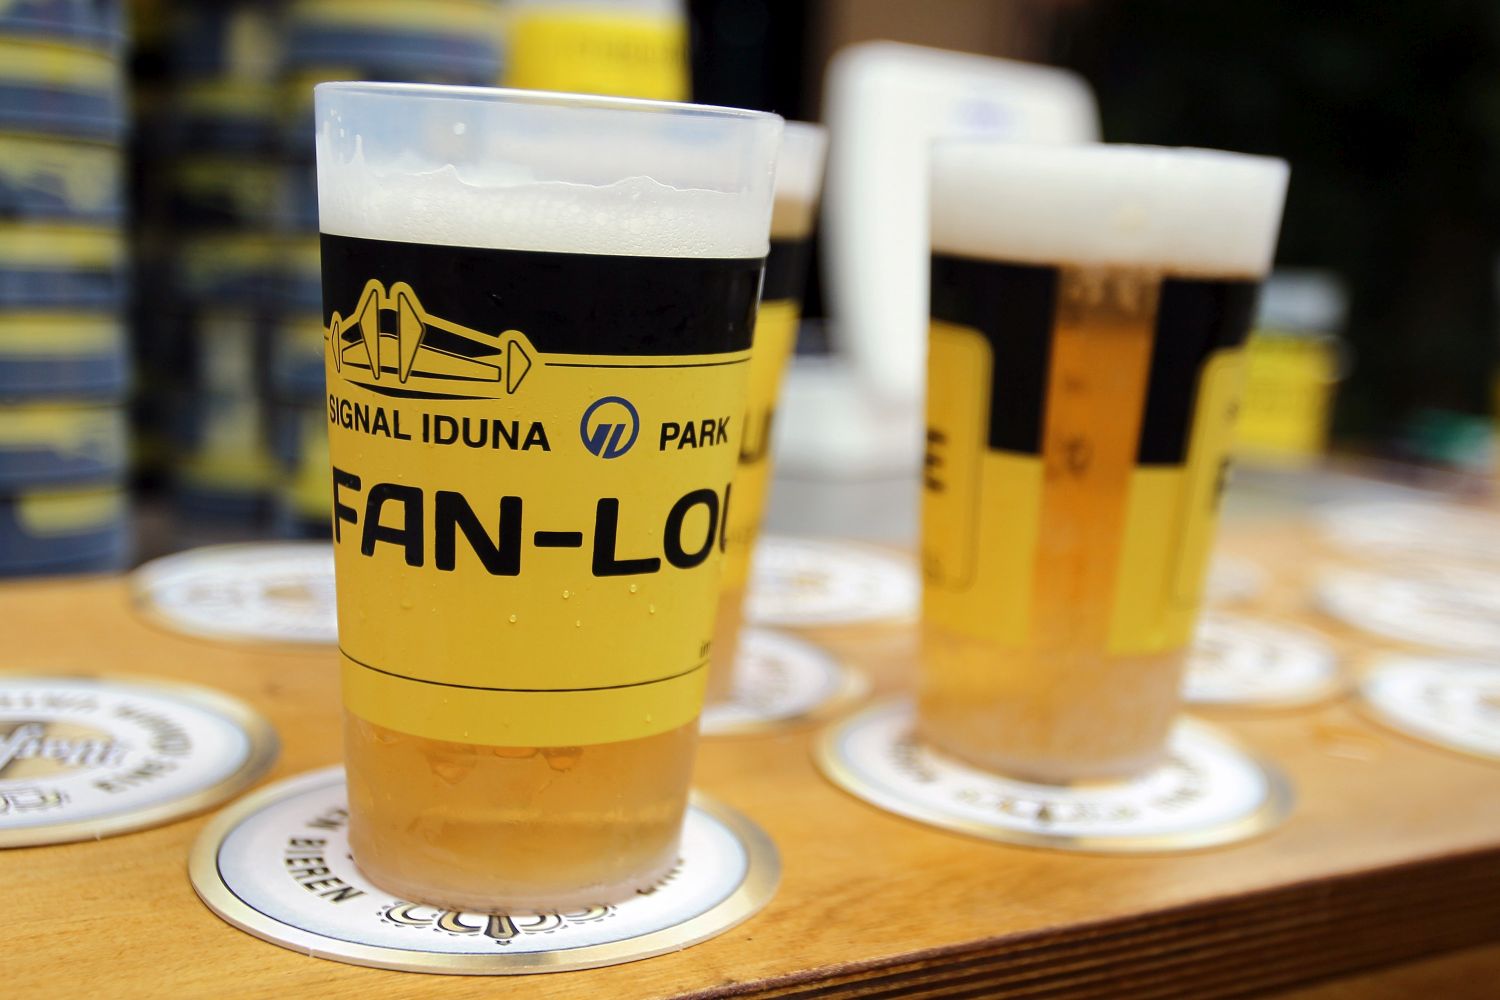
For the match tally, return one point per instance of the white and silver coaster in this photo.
(251, 592)
(1208, 792)
(780, 682)
(1245, 662)
(1446, 607)
(1452, 703)
(1408, 528)
(83, 758)
(277, 865)
(1232, 580)
(804, 582)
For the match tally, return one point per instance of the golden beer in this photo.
(539, 317)
(1090, 306)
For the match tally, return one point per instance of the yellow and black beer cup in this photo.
(539, 311)
(799, 177)
(1293, 362)
(1089, 310)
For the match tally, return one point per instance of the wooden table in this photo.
(1392, 854)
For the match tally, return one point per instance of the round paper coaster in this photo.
(806, 582)
(253, 592)
(277, 865)
(1454, 704)
(88, 757)
(1415, 529)
(1232, 580)
(1242, 661)
(1209, 791)
(1449, 607)
(780, 682)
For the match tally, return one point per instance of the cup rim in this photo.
(542, 98)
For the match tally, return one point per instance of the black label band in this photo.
(1014, 306)
(786, 270)
(566, 303)
(1194, 318)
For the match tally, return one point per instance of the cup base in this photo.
(1206, 792)
(277, 865)
(527, 901)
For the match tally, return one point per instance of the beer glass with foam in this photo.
(528, 299)
(1089, 310)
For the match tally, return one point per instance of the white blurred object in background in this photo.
(849, 428)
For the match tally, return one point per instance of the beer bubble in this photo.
(562, 758)
(454, 766)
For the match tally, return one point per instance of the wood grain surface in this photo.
(1392, 854)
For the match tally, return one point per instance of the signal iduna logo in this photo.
(610, 426)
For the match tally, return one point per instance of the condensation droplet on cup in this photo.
(512, 619)
(459, 128)
(561, 758)
(633, 588)
(578, 623)
(567, 594)
(651, 608)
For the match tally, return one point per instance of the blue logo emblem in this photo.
(616, 429)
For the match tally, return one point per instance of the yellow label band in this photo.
(1289, 380)
(421, 16)
(527, 534)
(775, 337)
(590, 52)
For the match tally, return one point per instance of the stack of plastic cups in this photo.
(431, 41)
(63, 370)
(218, 192)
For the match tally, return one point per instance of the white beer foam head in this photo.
(799, 167)
(1190, 211)
(525, 170)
